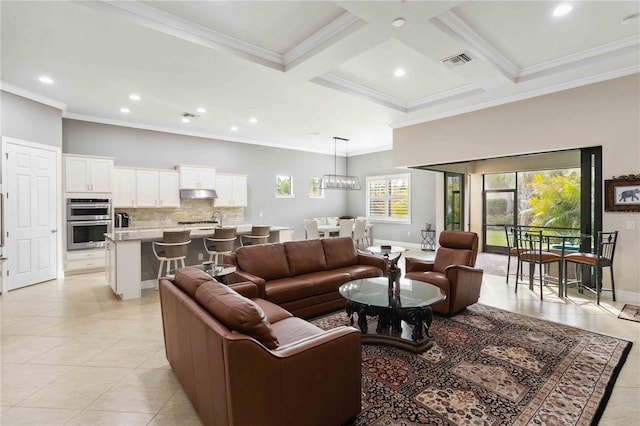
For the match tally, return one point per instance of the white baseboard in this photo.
(625, 296)
(148, 284)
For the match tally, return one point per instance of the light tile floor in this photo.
(74, 354)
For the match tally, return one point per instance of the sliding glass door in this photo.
(499, 209)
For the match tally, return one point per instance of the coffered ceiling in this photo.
(306, 71)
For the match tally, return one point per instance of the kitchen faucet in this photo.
(219, 214)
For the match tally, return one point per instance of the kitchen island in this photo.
(131, 265)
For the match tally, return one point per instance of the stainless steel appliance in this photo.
(122, 220)
(88, 209)
(88, 219)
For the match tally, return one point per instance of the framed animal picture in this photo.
(622, 194)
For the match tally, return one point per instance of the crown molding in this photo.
(634, 69)
(156, 19)
(10, 88)
(204, 135)
(338, 27)
(454, 25)
(346, 86)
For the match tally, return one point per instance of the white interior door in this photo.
(31, 216)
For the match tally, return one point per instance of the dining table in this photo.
(325, 231)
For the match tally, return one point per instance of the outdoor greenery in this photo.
(554, 199)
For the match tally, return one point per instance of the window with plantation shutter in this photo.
(388, 198)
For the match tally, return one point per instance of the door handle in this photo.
(53, 231)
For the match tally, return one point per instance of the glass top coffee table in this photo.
(215, 271)
(396, 310)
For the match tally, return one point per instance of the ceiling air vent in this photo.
(457, 60)
(189, 115)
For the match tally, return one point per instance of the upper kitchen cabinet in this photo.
(124, 187)
(157, 188)
(232, 190)
(87, 174)
(194, 177)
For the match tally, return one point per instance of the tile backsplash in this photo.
(189, 210)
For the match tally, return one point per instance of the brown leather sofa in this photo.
(245, 361)
(452, 270)
(304, 276)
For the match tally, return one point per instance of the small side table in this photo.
(428, 239)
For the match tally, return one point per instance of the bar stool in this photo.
(259, 235)
(605, 248)
(223, 242)
(173, 248)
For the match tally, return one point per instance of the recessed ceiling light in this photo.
(185, 120)
(201, 110)
(134, 97)
(398, 22)
(45, 79)
(234, 128)
(125, 110)
(253, 120)
(399, 72)
(562, 10)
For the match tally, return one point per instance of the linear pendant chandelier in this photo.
(336, 181)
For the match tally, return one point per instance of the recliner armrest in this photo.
(463, 268)
(412, 264)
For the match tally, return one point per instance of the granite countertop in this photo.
(155, 234)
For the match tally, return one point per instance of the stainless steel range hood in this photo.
(198, 194)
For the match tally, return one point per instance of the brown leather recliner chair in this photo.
(452, 270)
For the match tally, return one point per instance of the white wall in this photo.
(604, 114)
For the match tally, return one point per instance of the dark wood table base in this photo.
(389, 328)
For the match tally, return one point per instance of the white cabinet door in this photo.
(124, 188)
(169, 187)
(207, 178)
(232, 190)
(86, 174)
(110, 265)
(147, 188)
(224, 189)
(76, 174)
(239, 184)
(101, 171)
(197, 177)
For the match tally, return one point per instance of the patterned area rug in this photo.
(490, 367)
(630, 312)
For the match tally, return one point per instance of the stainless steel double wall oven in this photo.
(88, 219)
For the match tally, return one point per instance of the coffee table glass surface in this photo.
(213, 270)
(375, 292)
(385, 250)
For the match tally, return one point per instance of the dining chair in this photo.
(605, 248)
(259, 235)
(513, 251)
(533, 247)
(359, 235)
(311, 229)
(223, 242)
(172, 248)
(346, 228)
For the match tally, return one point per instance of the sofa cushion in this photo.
(358, 272)
(268, 261)
(273, 312)
(339, 252)
(236, 312)
(326, 281)
(447, 256)
(305, 256)
(189, 279)
(287, 289)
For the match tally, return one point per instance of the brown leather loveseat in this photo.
(452, 270)
(304, 276)
(245, 361)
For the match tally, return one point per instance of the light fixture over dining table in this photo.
(336, 181)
